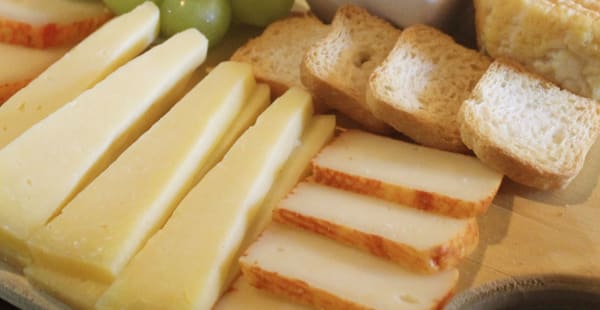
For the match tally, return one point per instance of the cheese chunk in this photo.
(103, 226)
(417, 239)
(310, 269)
(242, 295)
(76, 292)
(318, 132)
(46, 166)
(90, 61)
(436, 181)
(184, 265)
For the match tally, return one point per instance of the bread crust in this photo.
(518, 168)
(435, 259)
(330, 87)
(423, 200)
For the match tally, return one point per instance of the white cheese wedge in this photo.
(108, 222)
(313, 270)
(242, 295)
(39, 12)
(185, 264)
(318, 132)
(77, 292)
(90, 61)
(418, 240)
(436, 181)
(47, 165)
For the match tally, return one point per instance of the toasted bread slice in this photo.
(336, 69)
(436, 181)
(421, 85)
(49, 23)
(557, 39)
(316, 271)
(528, 128)
(277, 53)
(420, 241)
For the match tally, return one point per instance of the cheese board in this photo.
(525, 231)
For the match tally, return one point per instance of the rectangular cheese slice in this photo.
(241, 295)
(310, 269)
(421, 241)
(90, 61)
(185, 264)
(104, 226)
(436, 181)
(47, 165)
(318, 132)
(77, 292)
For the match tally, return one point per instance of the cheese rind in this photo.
(90, 61)
(45, 167)
(318, 132)
(184, 265)
(97, 233)
(241, 295)
(436, 181)
(313, 270)
(418, 240)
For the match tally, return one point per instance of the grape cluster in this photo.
(211, 17)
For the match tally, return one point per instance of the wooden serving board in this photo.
(524, 232)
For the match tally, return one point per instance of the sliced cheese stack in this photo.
(241, 295)
(90, 61)
(185, 264)
(317, 133)
(313, 270)
(420, 241)
(432, 180)
(47, 165)
(103, 226)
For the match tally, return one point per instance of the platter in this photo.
(525, 231)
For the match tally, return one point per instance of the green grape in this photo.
(124, 6)
(211, 17)
(260, 12)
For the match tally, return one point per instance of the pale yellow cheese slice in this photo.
(242, 295)
(184, 265)
(46, 166)
(90, 61)
(77, 292)
(39, 12)
(20, 63)
(318, 132)
(103, 226)
(311, 269)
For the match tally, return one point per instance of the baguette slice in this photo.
(313, 270)
(441, 182)
(421, 85)
(336, 69)
(277, 53)
(418, 240)
(528, 128)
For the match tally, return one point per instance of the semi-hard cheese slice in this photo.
(242, 295)
(103, 226)
(77, 292)
(47, 165)
(90, 61)
(419, 240)
(318, 132)
(436, 181)
(310, 269)
(185, 264)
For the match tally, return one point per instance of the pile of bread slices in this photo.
(421, 83)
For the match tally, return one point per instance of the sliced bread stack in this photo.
(381, 224)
